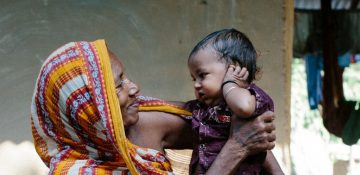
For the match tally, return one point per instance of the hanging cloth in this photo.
(313, 66)
(351, 132)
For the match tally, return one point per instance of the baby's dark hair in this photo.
(233, 46)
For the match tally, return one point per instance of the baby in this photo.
(223, 67)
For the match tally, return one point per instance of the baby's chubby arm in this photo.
(238, 98)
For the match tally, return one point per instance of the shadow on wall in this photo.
(21, 159)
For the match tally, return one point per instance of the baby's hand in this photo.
(237, 74)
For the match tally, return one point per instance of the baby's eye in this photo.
(202, 75)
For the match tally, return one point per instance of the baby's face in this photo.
(208, 73)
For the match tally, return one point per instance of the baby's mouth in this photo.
(201, 95)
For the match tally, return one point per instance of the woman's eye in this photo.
(122, 83)
(119, 86)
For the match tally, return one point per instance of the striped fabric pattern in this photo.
(76, 120)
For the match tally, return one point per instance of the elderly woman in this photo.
(88, 118)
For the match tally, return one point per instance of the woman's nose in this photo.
(133, 89)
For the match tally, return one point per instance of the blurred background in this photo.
(308, 52)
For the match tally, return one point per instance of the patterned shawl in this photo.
(76, 119)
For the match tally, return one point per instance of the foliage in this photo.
(307, 130)
(308, 119)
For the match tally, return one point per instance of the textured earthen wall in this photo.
(153, 38)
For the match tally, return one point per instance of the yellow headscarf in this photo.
(75, 115)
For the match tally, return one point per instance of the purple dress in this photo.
(212, 128)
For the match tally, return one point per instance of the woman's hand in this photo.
(238, 75)
(254, 135)
(248, 136)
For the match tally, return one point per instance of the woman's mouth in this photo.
(135, 104)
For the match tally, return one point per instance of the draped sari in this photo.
(76, 119)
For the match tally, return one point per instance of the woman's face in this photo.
(126, 90)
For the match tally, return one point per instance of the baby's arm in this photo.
(238, 98)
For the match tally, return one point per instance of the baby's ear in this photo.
(237, 64)
(229, 63)
(232, 62)
(231, 66)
